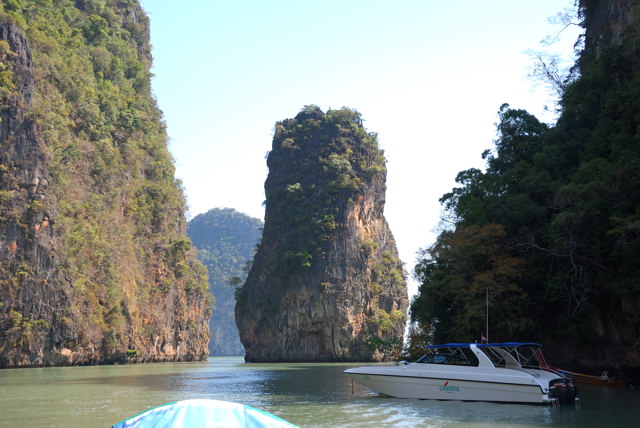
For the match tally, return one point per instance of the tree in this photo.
(456, 274)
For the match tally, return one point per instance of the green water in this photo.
(309, 395)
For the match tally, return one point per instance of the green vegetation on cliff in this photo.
(341, 156)
(226, 242)
(551, 228)
(105, 193)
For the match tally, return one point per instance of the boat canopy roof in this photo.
(485, 345)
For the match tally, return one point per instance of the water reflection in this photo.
(310, 395)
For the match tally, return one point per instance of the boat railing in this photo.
(528, 356)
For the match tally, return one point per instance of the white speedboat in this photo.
(501, 372)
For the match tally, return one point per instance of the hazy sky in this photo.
(427, 76)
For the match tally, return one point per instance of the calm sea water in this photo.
(309, 395)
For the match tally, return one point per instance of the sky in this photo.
(427, 76)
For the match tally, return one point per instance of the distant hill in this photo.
(226, 241)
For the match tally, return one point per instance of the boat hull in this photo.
(441, 388)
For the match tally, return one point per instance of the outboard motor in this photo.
(564, 390)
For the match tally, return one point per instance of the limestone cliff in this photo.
(608, 23)
(326, 283)
(94, 265)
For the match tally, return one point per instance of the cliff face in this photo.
(27, 246)
(226, 241)
(603, 108)
(608, 23)
(94, 266)
(326, 283)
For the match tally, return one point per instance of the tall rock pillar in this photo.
(326, 283)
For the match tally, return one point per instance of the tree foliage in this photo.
(459, 272)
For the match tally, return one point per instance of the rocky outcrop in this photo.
(326, 283)
(94, 264)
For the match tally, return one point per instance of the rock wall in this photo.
(608, 23)
(326, 283)
(27, 247)
(94, 264)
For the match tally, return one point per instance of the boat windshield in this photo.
(447, 355)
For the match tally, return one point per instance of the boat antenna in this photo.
(487, 318)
